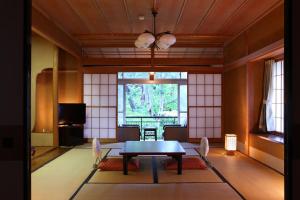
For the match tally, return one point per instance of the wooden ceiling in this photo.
(108, 28)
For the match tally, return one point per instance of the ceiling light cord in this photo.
(154, 13)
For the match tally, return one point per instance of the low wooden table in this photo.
(150, 131)
(135, 148)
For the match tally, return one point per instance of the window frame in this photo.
(276, 132)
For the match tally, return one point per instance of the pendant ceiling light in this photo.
(152, 40)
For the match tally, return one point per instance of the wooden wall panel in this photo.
(69, 79)
(272, 148)
(69, 87)
(243, 85)
(266, 31)
(67, 62)
(234, 103)
(44, 102)
(236, 49)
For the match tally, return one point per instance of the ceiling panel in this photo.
(206, 17)
(245, 15)
(89, 13)
(218, 15)
(62, 14)
(109, 27)
(193, 13)
(168, 14)
(137, 8)
(115, 13)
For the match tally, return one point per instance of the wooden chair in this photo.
(128, 133)
(175, 132)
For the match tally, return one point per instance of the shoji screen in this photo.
(100, 96)
(204, 98)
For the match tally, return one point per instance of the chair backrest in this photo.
(204, 146)
(178, 133)
(128, 133)
(171, 125)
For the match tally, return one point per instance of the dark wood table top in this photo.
(152, 148)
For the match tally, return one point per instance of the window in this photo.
(277, 97)
(155, 103)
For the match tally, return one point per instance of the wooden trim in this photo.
(271, 50)
(127, 40)
(147, 61)
(55, 99)
(212, 140)
(194, 69)
(42, 26)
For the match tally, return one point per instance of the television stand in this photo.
(70, 135)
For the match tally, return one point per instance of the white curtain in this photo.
(266, 121)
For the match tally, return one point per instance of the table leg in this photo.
(179, 167)
(125, 165)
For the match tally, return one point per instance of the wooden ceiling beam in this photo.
(127, 40)
(191, 69)
(42, 26)
(147, 61)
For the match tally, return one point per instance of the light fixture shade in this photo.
(146, 39)
(140, 44)
(167, 39)
(162, 45)
(230, 142)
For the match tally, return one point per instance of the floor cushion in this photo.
(187, 163)
(116, 164)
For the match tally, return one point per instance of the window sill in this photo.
(270, 137)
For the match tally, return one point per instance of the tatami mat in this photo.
(60, 178)
(118, 145)
(251, 178)
(187, 176)
(143, 175)
(114, 153)
(184, 191)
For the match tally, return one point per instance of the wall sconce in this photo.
(230, 143)
(151, 76)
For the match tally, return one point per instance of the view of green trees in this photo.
(152, 105)
(151, 99)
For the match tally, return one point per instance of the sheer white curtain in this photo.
(266, 121)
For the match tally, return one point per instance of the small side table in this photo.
(150, 131)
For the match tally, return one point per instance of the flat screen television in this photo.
(71, 113)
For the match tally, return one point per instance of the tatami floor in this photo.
(72, 175)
